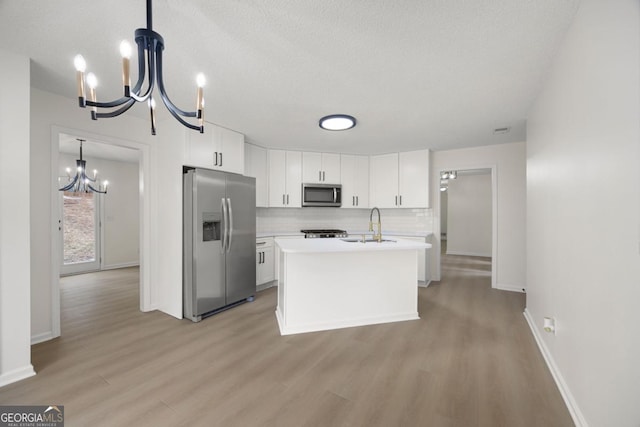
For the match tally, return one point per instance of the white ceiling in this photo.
(416, 74)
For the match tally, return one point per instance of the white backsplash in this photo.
(295, 219)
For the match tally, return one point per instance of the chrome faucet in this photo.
(378, 236)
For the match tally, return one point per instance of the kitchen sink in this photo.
(368, 240)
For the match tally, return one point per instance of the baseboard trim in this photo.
(121, 265)
(45, 336)
(511, 288)
(16, 375)
(462, 253)
(569, 401)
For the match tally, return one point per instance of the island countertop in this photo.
(340, 245)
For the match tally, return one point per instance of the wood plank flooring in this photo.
(469, 361)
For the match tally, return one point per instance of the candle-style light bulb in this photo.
(92, 82)
(95, 173)
(81, 66)
(125, 51)
(105, 184)
(200, 82)
(80, 63)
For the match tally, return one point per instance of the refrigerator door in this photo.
(206, 261)
(241, 243)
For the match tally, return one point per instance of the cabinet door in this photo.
(354, 174)
(413, 184)
(199, 148)
(361, 181)
(330, 168)
(277, 178)
(256, 166)
(384, 181)
(312, 168)
(294, 179)
(347, 176)
(268, 268)
(229, 150)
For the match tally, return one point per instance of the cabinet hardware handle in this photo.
(323, 177)
(396, 200)
(287, 199)
(353, 200)
(319, 175)
(216, 161)
(357, 200)
(283, 200)
(261, 243)
(220, 159)
(400, 200)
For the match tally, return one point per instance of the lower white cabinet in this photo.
(424, 276)
(265, 273)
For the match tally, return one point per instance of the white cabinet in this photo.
(321, 168)
(217, 148)
(265, 267)
(424, 277)
(354, 173)
(256, 166)
(400, 180)
(285, 178)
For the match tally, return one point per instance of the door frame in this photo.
(494, 219)
(144, 163)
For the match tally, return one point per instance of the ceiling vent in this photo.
(498, 131)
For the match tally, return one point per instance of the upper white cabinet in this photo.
(217, 148)
(354, 173)
(256, 165)
(321, 168)
(400, 180)
(285, 178)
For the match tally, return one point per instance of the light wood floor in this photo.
(469, 361)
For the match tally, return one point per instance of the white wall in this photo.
(509, 162)
(469, 215)
(120, 207)
(15, 322)
(162, 271)
(583, 261)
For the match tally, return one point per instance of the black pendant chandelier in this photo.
(81, 183)
(150, 47)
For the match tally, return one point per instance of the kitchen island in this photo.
(339, 283)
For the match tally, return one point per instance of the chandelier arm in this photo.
(111, 104)
(96, 191)
(140, 41)
(70, 185)
(117, 112)
(134, 94)
(163, 93)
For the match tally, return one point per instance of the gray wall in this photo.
(583, 261)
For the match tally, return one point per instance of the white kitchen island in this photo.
(330, 283)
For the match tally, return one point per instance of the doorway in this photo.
(467, 203)
(107, 210)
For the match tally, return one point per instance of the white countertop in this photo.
(352, 233)
(338, 245)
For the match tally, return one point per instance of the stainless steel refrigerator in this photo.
(219, 241)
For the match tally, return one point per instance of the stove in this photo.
(323, 233)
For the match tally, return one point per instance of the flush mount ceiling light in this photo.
(337, 122)
(81, 183)
(150, 47)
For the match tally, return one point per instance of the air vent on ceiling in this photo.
(498, 131)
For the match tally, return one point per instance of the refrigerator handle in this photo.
(223, 208)
(230, 214)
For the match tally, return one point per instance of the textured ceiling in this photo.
(416, 74)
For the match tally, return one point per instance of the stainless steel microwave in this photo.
(321, 195)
